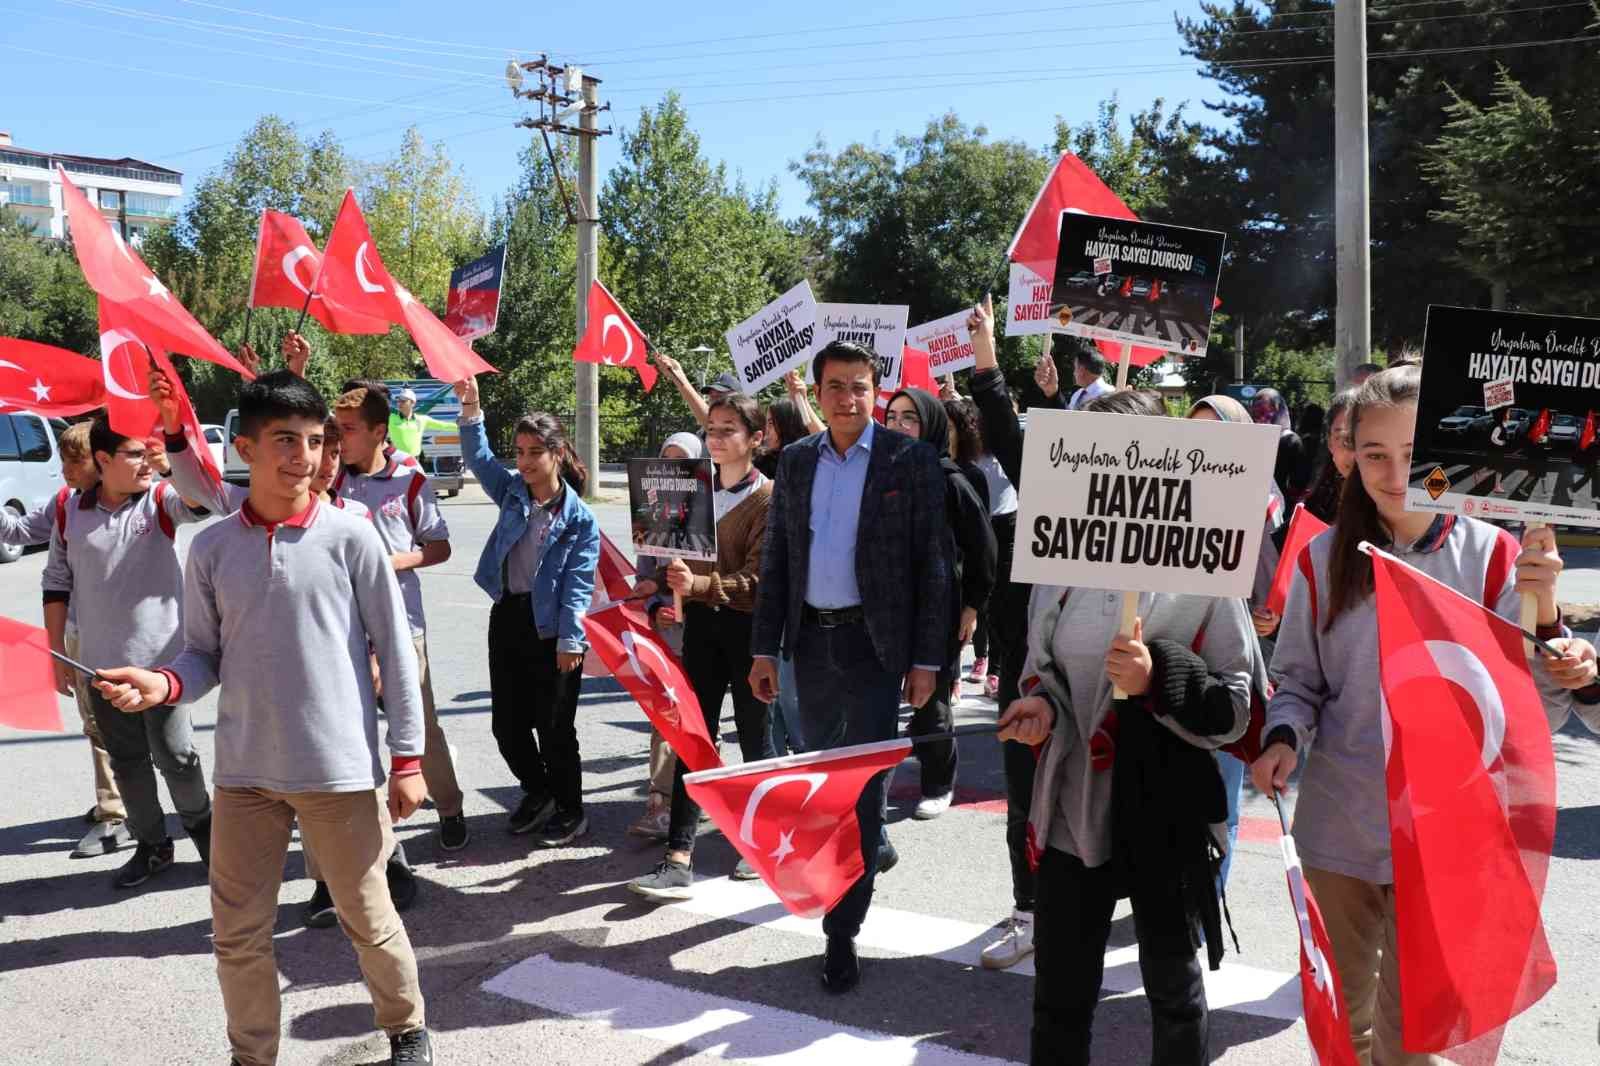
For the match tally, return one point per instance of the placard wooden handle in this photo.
(1122, 364)
(677, 605)
(1130, 614)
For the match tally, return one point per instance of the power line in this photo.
(493, 52)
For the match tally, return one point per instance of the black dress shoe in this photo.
(841, 968)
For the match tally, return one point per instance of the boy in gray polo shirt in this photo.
(112, 556)
(282, 601)
(405, 511)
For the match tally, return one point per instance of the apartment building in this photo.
(134, 195)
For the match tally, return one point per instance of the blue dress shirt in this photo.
(835, 513)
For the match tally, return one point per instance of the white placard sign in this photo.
(1028, 303)
(880, 328)
(775, 339)
(947, 342)
(1142, 504)
(1502, 392)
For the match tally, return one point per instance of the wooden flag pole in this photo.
(1130, 615)
(1122, 364)
(1530, 609)
(299, 327)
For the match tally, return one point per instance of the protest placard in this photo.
(1506, 418)
(879, 328)
(1142, 504)
(775, 339)
(472, 306)
(1028, 303)
(947, 342)
(1158, 293)
(673, 514)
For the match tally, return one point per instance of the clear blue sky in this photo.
(761, 80)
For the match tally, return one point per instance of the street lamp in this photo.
(705, 366)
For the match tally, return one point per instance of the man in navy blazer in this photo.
(855, 577)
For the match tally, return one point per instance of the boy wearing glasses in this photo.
(113, 557)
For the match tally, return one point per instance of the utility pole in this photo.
(561, 92)
(1352, 226)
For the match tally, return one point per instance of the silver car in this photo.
(30, 466)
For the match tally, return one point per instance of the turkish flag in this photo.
(1471, 786)
(26, 665)
(1321, 991)
(287, 264)
(1541, 427)
(118, 275)
(630, 348)
(188, 420)
(1071, 186)
(1586, 438)
(1303, 528)
(655, 679)
(915, 373)
(47, 379)
(1111, 351)
(612, 584)
(353, 277)
(794, 818)
(125, 357)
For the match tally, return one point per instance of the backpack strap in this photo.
(413, 490)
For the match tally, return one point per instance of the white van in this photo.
(30, 466)
(233, 468)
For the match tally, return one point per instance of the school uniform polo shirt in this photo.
(405, 511)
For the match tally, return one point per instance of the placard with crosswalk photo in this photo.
(674, 516)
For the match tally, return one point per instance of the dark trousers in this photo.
(716, 656)
(139, 745)
(1008, 614)
(1070, 931)
(980, 636)
(847, 697)
(535, 706)
(939, 758)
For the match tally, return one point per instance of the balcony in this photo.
(24, 195)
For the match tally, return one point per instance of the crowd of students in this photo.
(855, 561)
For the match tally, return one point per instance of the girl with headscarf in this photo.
(971, 543)
(1268, 408)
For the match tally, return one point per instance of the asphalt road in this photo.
(544, 957)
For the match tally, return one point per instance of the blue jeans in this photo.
(1233, 784)
(847, 697)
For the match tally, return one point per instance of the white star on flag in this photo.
(785, 846)
(405, 296)
(40, 390)
(153, 283)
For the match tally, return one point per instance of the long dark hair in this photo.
(968, 425)
(548, 428)
(1322, 497)
(1349, 568)
(787, 421)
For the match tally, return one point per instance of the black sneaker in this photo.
(201, 835)
(888, 857)
(563, 828)
(453, 835)
(414, 1047)
(402, 882)
(668, 881)
(148, 860)
(531, 813)
(318, 913)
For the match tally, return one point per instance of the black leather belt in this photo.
(841, 616)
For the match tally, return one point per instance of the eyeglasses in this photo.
(908, 418)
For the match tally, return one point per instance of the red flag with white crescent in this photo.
(1071, 186)
(118, 275)
(188, 420)
(287, 263)
(1321, 991)
(793, 818)
(1471, 787)
(640, 660)
(612, 584)
(1586, 438)
(611, 338)
(125, 348)
(49, 380)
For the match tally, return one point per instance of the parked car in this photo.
(30, 466)
(1564, 430)
(233, 468)
(1139, 290)
(1462, 423)
(216, 440)
(1083, 279)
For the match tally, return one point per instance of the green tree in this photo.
(1514, 180)
(43, 296)
(1149, 164)
(924, 223)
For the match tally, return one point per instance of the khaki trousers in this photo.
(108, 805)
(663, 768)
(351, 834)
(438, 769)
(1360, 920)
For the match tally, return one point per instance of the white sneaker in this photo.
(931, 807)
(102, 839)
(1014, 945)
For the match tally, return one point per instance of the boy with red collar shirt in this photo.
(273, 594)
(405, 511)
(113, 558)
